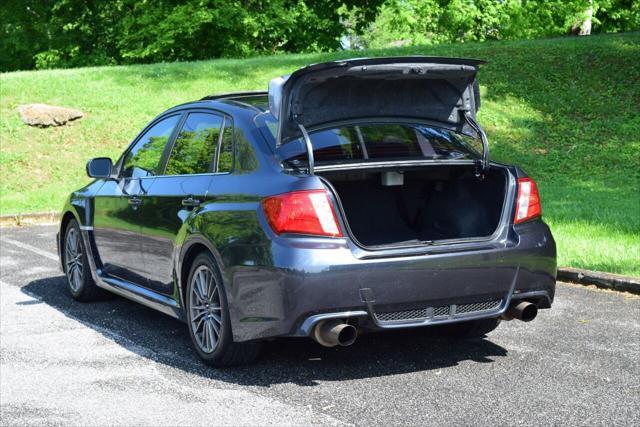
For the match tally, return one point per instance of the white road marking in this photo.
(28, 247)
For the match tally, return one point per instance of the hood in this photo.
(428, 89)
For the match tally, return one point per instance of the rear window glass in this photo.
(376, 142)
(195, 145)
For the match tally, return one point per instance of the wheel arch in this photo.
(193, 246)
(65, 219)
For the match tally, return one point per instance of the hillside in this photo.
(566, 110)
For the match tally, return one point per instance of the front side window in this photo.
(144, 158)
(195, 145)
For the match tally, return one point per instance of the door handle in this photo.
(190, 202)
(135, 201)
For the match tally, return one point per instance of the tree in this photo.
(414, 22)
(69, 33)
(72, 33)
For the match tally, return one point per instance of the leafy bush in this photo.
(73, 33)
(425, 22)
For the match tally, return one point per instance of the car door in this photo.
(117, 220)
(179, 192)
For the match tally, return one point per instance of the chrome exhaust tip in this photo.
(524, 311)
(333, 332)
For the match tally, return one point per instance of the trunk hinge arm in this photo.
(484, 163)
(309, 147)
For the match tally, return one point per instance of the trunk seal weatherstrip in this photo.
(368, 252)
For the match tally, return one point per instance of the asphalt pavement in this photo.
(118, 363)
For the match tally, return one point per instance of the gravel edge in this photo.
(600, 279)
(17, 220)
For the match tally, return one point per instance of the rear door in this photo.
(118, 206)
(179, 192)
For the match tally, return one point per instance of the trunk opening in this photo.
(420, 206)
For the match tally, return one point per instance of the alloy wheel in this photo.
(73, 259)
(205, 308)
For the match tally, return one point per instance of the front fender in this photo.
(80, 203)
(79, 206)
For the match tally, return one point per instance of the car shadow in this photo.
(293, 360)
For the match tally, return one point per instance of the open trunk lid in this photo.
(427, 89)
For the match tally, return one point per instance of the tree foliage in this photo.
(416, 22)
(71, 33)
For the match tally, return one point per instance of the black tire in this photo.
(471, 329)
(77, 271)
(225, 352)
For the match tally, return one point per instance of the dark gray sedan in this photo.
(353, 196)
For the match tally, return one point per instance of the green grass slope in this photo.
(566, 110)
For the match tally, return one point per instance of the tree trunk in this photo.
(585, 27)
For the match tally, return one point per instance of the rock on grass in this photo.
(42, 115)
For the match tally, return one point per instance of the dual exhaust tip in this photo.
(334, 332)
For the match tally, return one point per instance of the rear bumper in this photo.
(315, 279)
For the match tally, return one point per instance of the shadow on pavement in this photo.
(299, 361)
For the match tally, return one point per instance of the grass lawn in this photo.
(566, 110)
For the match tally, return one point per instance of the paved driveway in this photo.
(116, 362)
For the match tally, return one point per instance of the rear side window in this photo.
(144, 158)
(225, 157)
(195, 146)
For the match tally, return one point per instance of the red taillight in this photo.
(302, 212)
(528, 205)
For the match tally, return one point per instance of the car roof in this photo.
(258, 99)
(253, 103)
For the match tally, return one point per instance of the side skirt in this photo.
(131, 291)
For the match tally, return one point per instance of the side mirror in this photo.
(99, 167)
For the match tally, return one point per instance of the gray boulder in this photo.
(43, 115)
